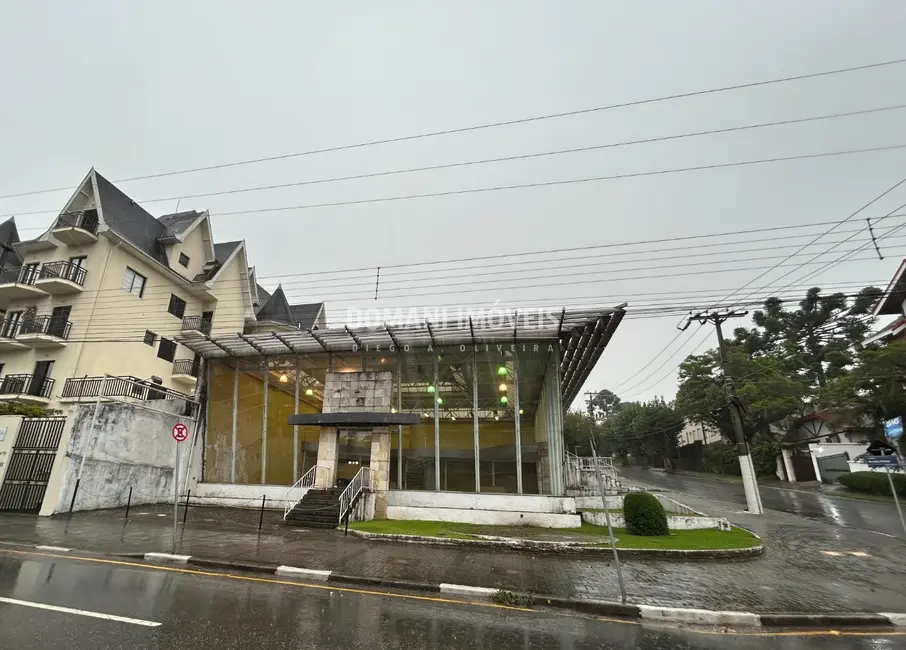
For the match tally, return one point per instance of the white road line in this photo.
(80, 612)
(62, 549)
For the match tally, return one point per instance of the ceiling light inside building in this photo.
(502, 388)
(440, 400)
(501, 370)
(430, 389)
(309, 392)
(284, 378)
(504, 400)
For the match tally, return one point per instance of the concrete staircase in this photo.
(319, 508)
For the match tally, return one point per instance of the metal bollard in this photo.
(74, 493)
(185, 512)
(128, 503)
(261, 518)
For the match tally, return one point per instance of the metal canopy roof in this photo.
(583, 335)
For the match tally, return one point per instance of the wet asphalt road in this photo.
(177, 610)
(838, 511)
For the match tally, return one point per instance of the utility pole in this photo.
(589, 396)
(747, 468)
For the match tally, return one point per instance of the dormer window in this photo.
(184, 260)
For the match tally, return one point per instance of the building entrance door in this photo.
(353, 453)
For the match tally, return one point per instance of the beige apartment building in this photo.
(110, 290)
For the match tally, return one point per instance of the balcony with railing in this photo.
(29, 389)
(195, 327)
(18, 282)
(77, 228)
(61, 278)
(44, 332)
(88, 388)
(185, 371)
(9, 330)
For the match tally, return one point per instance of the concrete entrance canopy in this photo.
(355, 419)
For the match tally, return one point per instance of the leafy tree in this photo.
(824, 332)
(769, 389)
(603, 404)
(874, 388)
(645, 430)
(577, 429)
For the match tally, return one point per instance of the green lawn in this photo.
(681, 539)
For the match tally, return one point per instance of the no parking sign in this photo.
(180, 432)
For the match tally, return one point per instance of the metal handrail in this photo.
(196, 323)
(84, 219)
(298, 490)
(359, 483)
(64, 270)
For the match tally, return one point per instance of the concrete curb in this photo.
(539, 546)
(585, 606)
(581, 605)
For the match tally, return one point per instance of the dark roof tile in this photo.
(131, 221)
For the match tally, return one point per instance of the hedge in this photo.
(874, 482)
(644, 515)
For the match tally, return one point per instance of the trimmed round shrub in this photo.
(874, 482)
(644, 515)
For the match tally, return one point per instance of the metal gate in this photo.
(802, 464)
(30, 463)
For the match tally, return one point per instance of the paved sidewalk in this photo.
(795, 574)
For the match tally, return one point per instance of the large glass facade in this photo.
(488, 418)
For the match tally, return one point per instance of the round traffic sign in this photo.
(180, 432)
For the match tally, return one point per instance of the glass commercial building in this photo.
(489, 400)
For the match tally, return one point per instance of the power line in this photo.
(421, 266)
(490, 125)
(828, 231)
(454, 288)
(484, 161)
(522, 186)
(569, 181)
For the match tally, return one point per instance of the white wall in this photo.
(833, 448)
(493, 509)
(473, 501)
(7, 438)
(129, 447)
(240, 496)
(674, 522)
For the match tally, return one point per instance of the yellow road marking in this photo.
(385, 594)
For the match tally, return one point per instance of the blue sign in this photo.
(882, 461)
(894, 428)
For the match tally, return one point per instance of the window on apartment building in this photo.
(150, 337)
(134, 282)
(166, 350)
(177, 306)
(184, 260)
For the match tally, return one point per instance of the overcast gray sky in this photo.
(136, 88)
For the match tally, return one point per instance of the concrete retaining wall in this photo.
(495, 509)
(674, 522)
(240, 496)
(473, 501)
(491, 517)
(129, 447)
